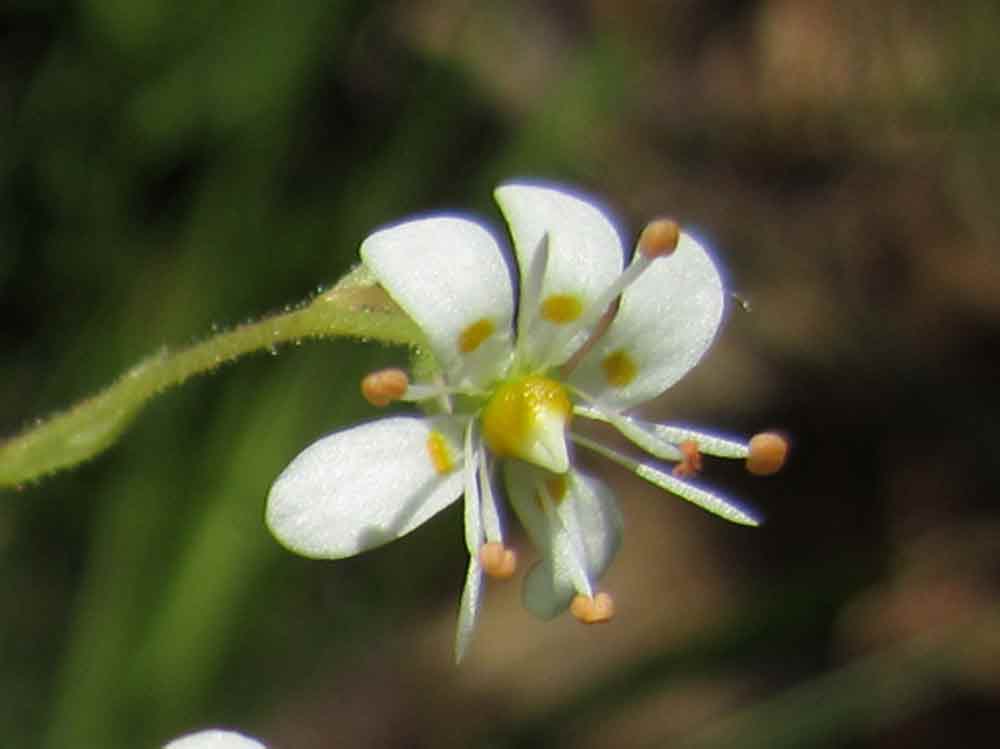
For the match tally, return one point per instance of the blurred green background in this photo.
(169, 169)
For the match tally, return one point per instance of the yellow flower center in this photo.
(527, 418)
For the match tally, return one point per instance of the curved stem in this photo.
(355, 308)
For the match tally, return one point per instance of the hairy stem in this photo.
(354, 308)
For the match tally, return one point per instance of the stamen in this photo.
(596, 610)
(767, 453)
(384, 386)
(712, 503)
(691, 464)
(531, 292)
(634, 430)
(600, 328)
(497, 560)
(708, 444)
(659, 238)
(566, 546)
(491, 510)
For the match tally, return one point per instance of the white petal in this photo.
(363, 487)
(666, 321)
(584, 256)
(591, 511)
(449, 275)
(521, 479)
(214, 739)
(468, 613)
(586, 534)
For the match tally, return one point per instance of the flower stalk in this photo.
(354, 308)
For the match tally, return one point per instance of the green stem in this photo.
(355, 308)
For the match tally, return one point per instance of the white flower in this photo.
(214, 739)
(511, 383)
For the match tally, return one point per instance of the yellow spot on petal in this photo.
(473, 335)
(561, 308)
(440, 453)
(619, 368)
(519, 411)
(555, 487)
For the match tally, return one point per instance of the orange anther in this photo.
(767, 453)
(497, 560)
(596, 610)
(659, 238)
(384, 386)
(691, 462)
